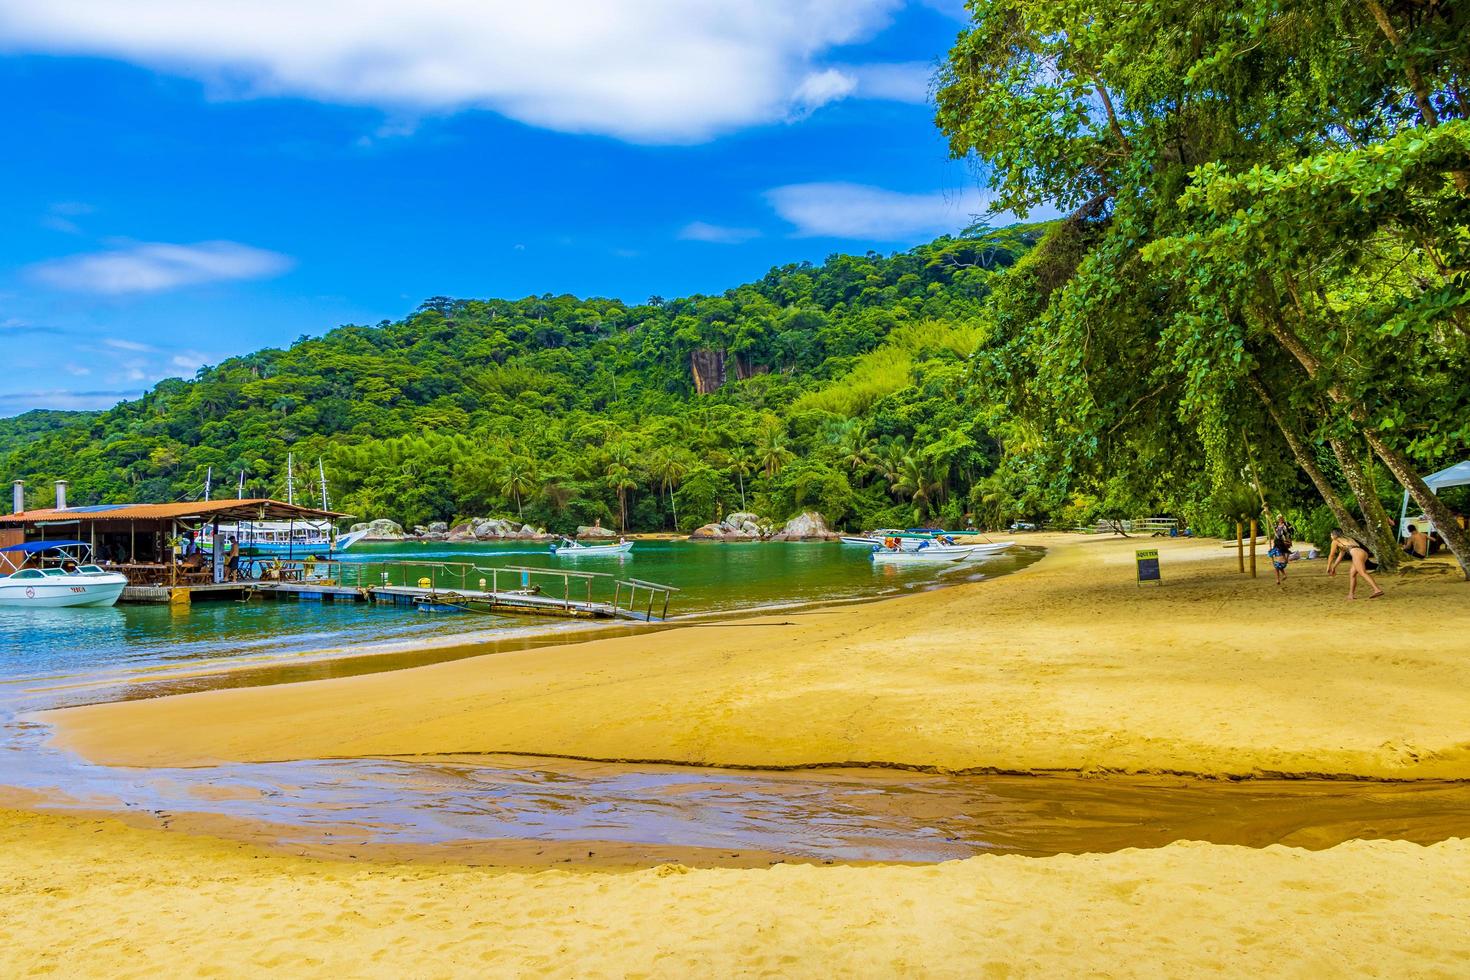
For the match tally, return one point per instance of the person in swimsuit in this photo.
(1359, 558)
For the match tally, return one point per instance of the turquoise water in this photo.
(711, 577)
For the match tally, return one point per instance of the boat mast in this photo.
(208, 479)
(322, 473)
(290, 486)
(240, 489)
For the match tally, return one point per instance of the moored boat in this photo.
(567, 548)
(69, 580)
(296, 539)
(933, 552)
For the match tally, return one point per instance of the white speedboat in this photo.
(933, 553)
(63, 578)
(567, 548)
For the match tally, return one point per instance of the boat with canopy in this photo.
(55, 574)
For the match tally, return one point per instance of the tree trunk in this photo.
(1455, 537)
(1382, 541)
(1240, 546)
(1253, 547)
(1308, 463)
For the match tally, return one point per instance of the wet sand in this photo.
(1066, 666)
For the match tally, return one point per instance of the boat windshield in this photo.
(28, 573)
(54, 572)
(91, 570)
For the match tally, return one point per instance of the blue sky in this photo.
(185, 181)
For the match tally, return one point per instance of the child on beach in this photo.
(1280, 553)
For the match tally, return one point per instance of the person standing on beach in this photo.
(1282, 536)
(1359, 557)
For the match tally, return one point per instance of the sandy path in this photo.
(80, 896)
(1067, 665)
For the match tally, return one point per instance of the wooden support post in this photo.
(1253, 547)
(1240, 546)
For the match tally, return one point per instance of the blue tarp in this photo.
(30, 547)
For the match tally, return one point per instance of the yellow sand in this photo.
(1067, 665)
(87, 897)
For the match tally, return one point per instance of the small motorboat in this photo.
(567, 548)
(63, 576)
(934, 553)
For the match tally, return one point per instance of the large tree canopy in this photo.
(1268, 254)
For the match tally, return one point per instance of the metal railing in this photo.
(438, 577)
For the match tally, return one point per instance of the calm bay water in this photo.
(711, 577)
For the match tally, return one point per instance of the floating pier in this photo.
(437, 587)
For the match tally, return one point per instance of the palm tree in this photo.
(773, 451)
(668, 467)
(856, 448)
(892, 459)
(516, 478)
(620, 478)
(918, 482)
(742, 464)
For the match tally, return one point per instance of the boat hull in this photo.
(593, 550)
(56, 593)
(935, 554)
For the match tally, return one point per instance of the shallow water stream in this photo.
(522, 810)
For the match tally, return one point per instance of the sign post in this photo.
(1148, 566)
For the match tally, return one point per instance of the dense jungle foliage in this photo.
(1262, 296)
(845, 393)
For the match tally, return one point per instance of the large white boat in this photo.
(293, 539)
(64, 576)
(567, 548)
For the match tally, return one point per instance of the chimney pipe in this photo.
(61, 495)
(20, 496)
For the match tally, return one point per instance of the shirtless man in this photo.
(1358, 557)
(1417, 544)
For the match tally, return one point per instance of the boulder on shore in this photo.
(595, 531)
(380, 530)
(737, 520)
(808, 526)
(709, 532)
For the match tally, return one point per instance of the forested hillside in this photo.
(839, 387)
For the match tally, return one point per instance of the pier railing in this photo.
(633, 598)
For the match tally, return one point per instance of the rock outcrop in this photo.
(595, 531)
(809, 526)
(739, 526)
(380, 530)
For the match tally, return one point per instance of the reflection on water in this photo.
(712, 577)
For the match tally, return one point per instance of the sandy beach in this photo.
(1066, 666)
(1069, 665)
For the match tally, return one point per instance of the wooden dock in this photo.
(446, 588)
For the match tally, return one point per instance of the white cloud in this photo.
(902, 82)
(654, 71)
(155, 266)
(822, 87)
(702, 231)
(117, 343)
(840, 210)
(21, 401)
